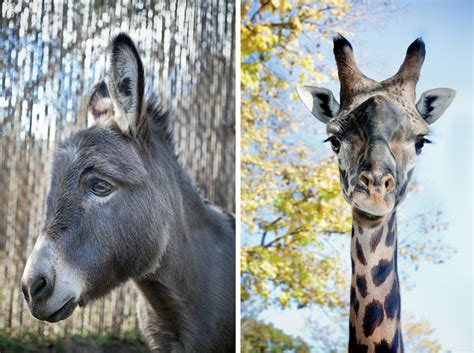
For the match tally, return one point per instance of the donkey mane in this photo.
(228, 215)
(160, 124)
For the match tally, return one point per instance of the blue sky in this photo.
(442, 293)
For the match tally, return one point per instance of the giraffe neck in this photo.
(375, 293)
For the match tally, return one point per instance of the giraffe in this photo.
(376, 132)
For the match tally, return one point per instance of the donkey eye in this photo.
(335, 143)
(100, 187)
(420, 143)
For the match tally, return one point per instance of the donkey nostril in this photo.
(41, 289)
(38, 287)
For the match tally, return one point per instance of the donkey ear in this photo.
(100, 107)
(320, 102)
(127, 86)
(433, 103)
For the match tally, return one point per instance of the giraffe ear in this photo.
(433, 103)
(319, 101)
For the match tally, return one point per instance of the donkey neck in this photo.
(193, 270)
(375, 293)
(187, 204)
(192, 273)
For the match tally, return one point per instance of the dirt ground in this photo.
(73, 346)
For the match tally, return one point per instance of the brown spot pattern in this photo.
(362, 285)
(373, 317)
(360, 253)
(376, 239)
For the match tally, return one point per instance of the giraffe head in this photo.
(377, 130)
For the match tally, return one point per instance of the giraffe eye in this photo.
(335, 143)
(420, 143)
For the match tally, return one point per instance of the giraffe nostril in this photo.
(365, 179)
(389, 183)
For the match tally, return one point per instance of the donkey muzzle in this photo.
(50, 287)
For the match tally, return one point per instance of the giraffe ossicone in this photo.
(376, 131)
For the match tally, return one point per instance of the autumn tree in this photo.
(264, 337)
(418, 336)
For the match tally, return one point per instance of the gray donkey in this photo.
(121, 207)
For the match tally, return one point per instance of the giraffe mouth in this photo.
(367, 215)
(366, 218)
(375, 206)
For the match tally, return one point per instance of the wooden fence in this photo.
(52, 53)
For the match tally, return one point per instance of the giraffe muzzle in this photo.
(374, 194)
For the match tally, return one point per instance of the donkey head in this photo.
(377, 130)
(106, 198)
